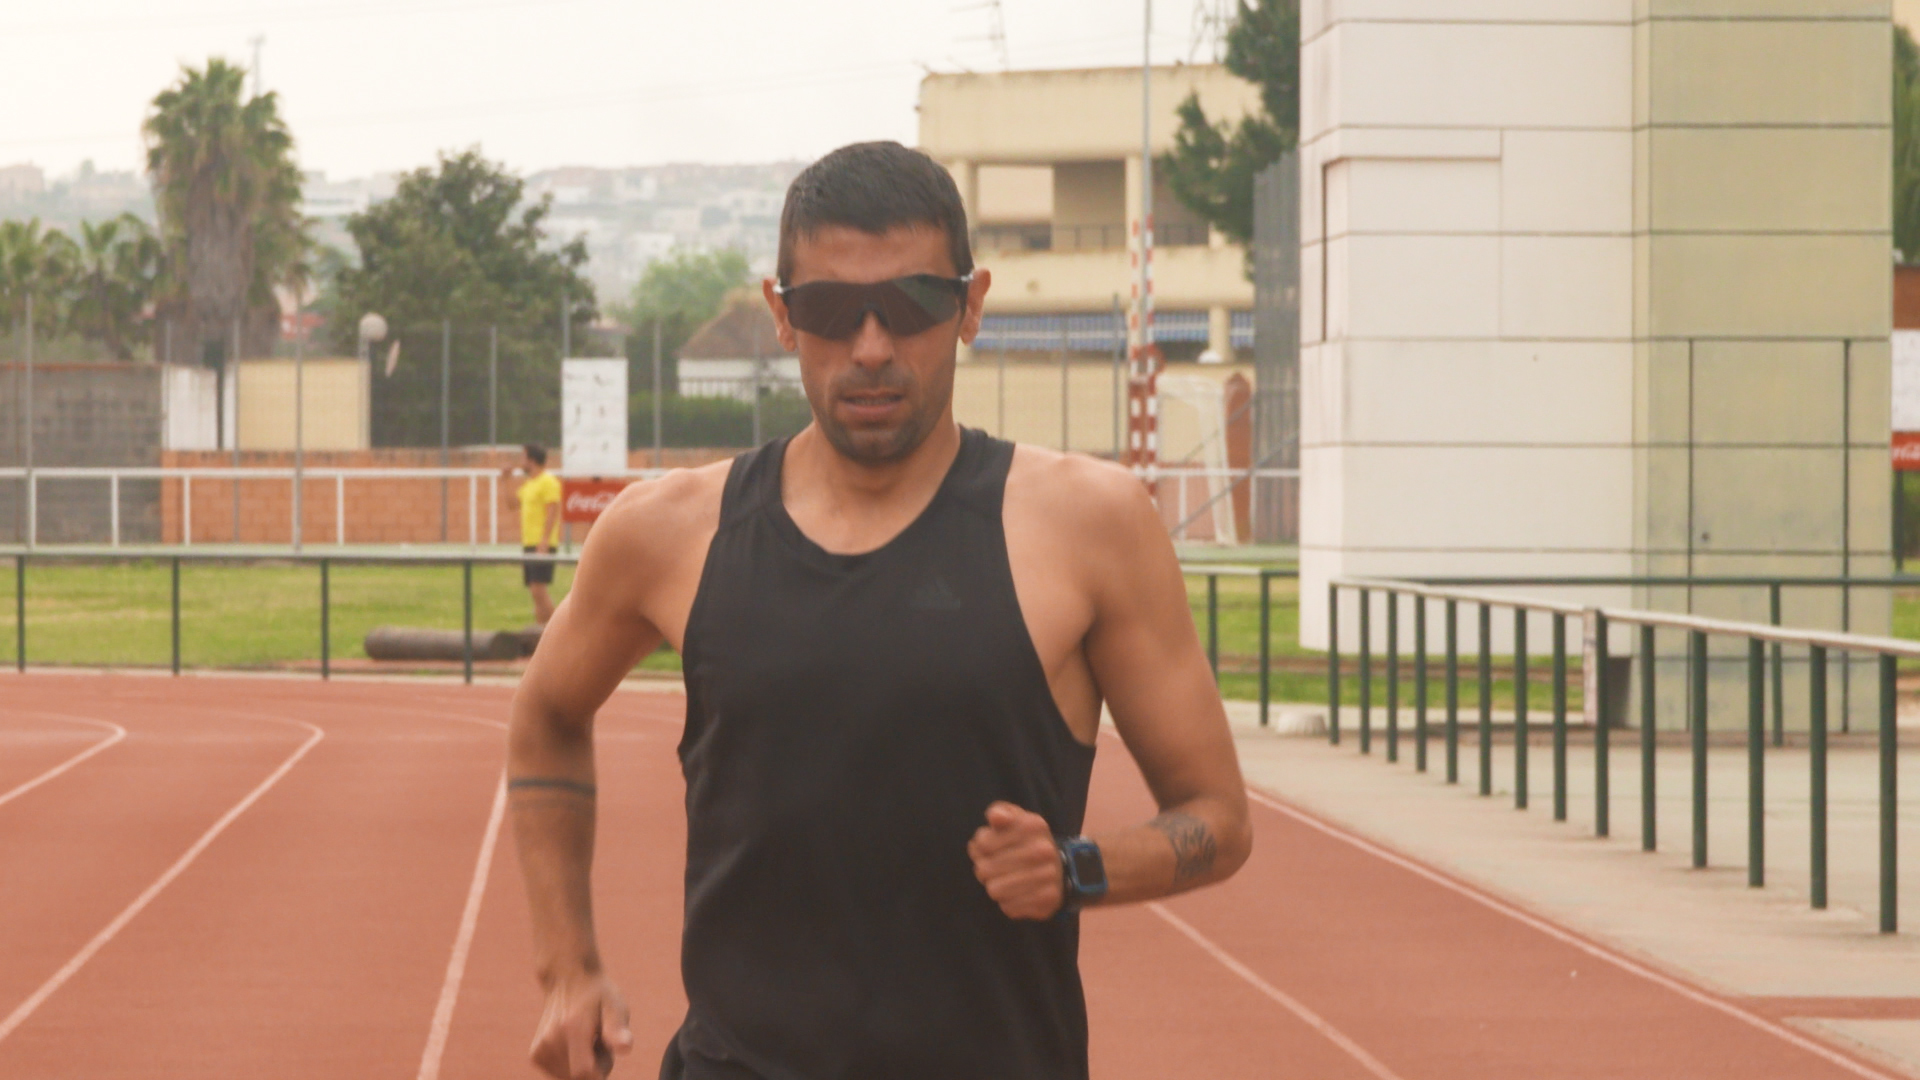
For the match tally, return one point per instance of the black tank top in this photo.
(849, 719)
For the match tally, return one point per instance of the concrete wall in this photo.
(1597, 287)
(83, 415)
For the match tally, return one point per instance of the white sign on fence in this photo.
(1906, 380)
(593, 417)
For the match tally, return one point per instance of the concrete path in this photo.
(1826, 972)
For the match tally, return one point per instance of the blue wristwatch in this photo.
(1082, 871)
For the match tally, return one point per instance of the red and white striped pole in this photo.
(1143, 383)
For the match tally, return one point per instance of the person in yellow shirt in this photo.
(538, 500)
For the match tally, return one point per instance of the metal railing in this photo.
(1596, 622)
(324, 563)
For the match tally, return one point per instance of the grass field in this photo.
(264, 615)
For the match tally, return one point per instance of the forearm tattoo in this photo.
(552, 783)
(1193, 844)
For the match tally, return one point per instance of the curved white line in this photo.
(119, 733)
(38, 997)
(1591, 949)
(1286, 1001)
(463, 940)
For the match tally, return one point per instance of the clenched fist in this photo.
(1015, 857)
(584, 1025)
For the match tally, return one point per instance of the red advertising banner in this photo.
(1906, 451)
(586, 500)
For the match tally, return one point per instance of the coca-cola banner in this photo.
(1906, 451)
(586, 500)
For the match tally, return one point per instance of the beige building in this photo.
(1049, 163)
(334, 395)
(1598, 287)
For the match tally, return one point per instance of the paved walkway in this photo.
(1826, 972)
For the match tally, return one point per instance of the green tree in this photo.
(38, 263)
(678, 294)
(118, 266)
(228, 195)
(456, 242)
(1213, 163)
(1906, 145)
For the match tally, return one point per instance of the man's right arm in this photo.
(596, 636)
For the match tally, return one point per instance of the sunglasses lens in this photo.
(906, 306)
(828, 309)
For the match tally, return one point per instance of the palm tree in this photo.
(34, 263)
(228, 195)
(118, 268)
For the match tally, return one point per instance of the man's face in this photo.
(877, 395)
(530, 466)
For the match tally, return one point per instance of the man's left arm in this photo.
(1147, 661)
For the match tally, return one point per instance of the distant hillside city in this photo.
(629, 217)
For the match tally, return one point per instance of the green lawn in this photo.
(256, 615)
(248, 615)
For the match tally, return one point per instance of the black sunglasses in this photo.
(905, 305)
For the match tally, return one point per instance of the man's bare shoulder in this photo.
(1084, 496)
(654, 518)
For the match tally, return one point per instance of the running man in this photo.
(898, 635)
(537, 498)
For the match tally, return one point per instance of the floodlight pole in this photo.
(493, 386)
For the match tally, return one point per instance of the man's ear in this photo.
(976, 304)
(781, 327)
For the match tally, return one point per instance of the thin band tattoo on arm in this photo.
(1194, 848)
(554, 783)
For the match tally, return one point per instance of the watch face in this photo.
(1088, 867)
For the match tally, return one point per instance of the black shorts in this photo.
(535, 573)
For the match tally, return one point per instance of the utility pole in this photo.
(493, 386)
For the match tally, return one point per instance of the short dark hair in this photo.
(874, 187)
(537, 452)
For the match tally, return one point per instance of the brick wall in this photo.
(378, 510)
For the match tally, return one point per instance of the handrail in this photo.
(1596, 620)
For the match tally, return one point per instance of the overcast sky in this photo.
(378, 85)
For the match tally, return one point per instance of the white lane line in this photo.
(38, 997)
(1286, 1001)
(463, 941)
(1596, 951)
(119, 733)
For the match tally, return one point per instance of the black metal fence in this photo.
(1764, 643)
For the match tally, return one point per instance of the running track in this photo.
(262, 877)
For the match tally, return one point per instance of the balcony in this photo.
(1064, 238)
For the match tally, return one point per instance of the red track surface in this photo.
(268, 878)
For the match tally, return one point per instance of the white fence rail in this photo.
(474, 481)
(1194, 495)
